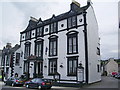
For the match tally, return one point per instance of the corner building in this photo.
(59, 44)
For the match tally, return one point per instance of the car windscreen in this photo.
(47, 80)
(39, 80)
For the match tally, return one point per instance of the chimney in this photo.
(8, 45)
(74, 5)
(33, 19)
(89, 2)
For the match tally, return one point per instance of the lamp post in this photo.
(80, 74)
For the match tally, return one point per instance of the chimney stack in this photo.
(8, 45)
(88, 2)
(74, 5)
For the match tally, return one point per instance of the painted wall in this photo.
(17, 68)
(119, 28)
(93, 43)
(111, 66)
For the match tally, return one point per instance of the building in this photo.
(8, 60)
(118, 29)
(58, 45)
(110, 66)
(0, 64)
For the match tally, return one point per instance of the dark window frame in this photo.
(51, 61)
(27, 50)
(28, 35)
(73, 35)
(53, 27)
(98, 51)
(39, 31)
(98, 68)
(72, 59)
(53, 51)
(72, 22)
(17, 61)
(37, 43)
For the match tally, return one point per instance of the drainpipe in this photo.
(86, 47)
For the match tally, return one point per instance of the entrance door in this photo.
(31, 69)
(39, 69)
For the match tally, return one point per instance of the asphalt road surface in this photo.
(107, 83)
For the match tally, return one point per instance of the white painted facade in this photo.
(62, 57)
(18, 68)
(0, 62)
(118, 29)
(111, 66)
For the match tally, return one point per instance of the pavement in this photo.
(1, 84)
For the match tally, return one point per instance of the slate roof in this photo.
(34, 24)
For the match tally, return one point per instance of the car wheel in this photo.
(13, 84)
(5, 84)
(49, 88)
(39, 87)
(27, 86)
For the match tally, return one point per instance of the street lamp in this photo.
(80, 74)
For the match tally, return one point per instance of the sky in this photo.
(15, 16)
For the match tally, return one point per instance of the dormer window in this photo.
(39, 31)
(28, 35)
(53, 27)
(72, 22)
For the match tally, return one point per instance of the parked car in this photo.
(14, 81)
(39, 83)
(114, 73)
(117, 76)
(26, 82)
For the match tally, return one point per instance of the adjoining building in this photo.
(7, 61)
(59, 44)
(110, 66)
(0, 65)
(118, 29)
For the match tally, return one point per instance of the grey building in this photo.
(7, 60)
(0, 64)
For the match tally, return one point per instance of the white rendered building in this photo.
(59, 44)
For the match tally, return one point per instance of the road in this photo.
(23, 88)
(107, 82)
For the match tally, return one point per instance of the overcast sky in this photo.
(15, 15)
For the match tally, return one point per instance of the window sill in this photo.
(72, 75)
(72, 53)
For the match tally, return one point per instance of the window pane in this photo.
(40, 49)
(74, 44)
(70, 45)
(53, 66)
(50, 67)
(37, 50)
(69, 23)
(54, 47)
(17, 58)
(70, 67)
(55, 27)
(51, 48)
(51, 28)
(27, 50)
(74, 21)
(74, 66)
(38, 31)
